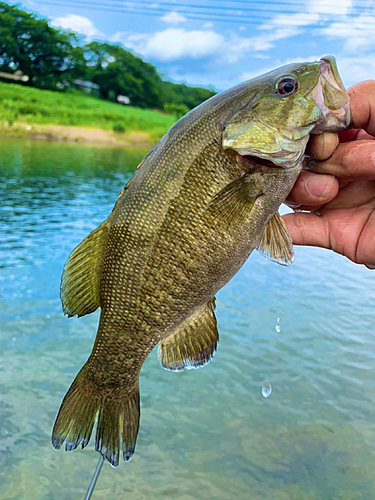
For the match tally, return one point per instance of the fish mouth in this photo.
(249, 163)
(331, 98)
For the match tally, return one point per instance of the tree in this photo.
(118, 71)
(181, 94)
(47, 55)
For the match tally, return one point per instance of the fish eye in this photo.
(286, 86)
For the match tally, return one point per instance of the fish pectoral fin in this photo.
(79, 290)
(193, 344)
(235, 198)
(276, 243)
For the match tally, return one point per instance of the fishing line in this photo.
(94, 478)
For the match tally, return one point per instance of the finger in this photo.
(362, 105)
(350, 160)
(356, 194)
(313, 190)
(307, 229)
(321, 146)
(355, 134)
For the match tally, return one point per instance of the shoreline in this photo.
(76, 135)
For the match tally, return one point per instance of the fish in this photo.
(198, 204)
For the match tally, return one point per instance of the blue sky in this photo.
(220, 43)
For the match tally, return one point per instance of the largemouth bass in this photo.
(200, 202)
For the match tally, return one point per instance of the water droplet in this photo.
(277, 326)
(267, 390)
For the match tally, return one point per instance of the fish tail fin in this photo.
(117, 412)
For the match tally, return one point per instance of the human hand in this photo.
(339, 191)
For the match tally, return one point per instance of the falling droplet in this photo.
(277, 326)
(267, 390)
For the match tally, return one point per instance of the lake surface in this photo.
(308, 331)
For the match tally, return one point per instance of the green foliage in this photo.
(118, 127)
(118, 71)
(47, 55)
(179, 93)
(31, 105)
(178, 110)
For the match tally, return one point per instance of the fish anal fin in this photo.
(276, 243)
(235, 198)
(193, 344)
(79, 290)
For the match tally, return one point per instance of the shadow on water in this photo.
(308, 330)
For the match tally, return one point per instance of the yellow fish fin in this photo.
(79, 290)
(235, 198)
(193, 344)
(276, 243)
(116, 411)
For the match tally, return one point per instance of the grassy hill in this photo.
(20, 104)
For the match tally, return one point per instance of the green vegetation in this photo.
(56, 59)
(30, 105)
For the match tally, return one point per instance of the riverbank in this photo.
(72, 134)
(77, 117)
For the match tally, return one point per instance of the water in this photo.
(206, 433)
(267, 390)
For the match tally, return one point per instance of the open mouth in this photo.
(248, 161)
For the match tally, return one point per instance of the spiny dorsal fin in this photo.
(79, 290)
(238, 196)
(193, 344)
(276, 243)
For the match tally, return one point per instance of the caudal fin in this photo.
(117, 413)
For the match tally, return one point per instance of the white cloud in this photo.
(80, 24)
(175, 43)
(356, 32)
(208, 25)
(354, 69)
(174, 18)
(332, 8)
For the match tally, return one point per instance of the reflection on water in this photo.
(307, 332)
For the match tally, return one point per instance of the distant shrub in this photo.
(118, 127)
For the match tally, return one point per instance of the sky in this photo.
(219, 43)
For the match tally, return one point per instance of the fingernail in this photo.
(316, 186)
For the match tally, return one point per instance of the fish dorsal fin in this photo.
(79, 290)
(236, 197)
(276, 243)
(193, 344)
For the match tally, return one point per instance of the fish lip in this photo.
(335, 111)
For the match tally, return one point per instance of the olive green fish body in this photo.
(201, 201)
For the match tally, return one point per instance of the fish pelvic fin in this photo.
(117, 413)
(276, 243)
(193, 344)
(79, 290)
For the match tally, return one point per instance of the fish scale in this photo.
(180, 230)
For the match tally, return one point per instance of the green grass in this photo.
(30, 105)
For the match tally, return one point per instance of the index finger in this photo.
(362, 105)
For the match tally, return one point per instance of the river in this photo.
(307, 332)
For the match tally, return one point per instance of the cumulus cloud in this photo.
(175, 43)
(80, 24)
(174, 18)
